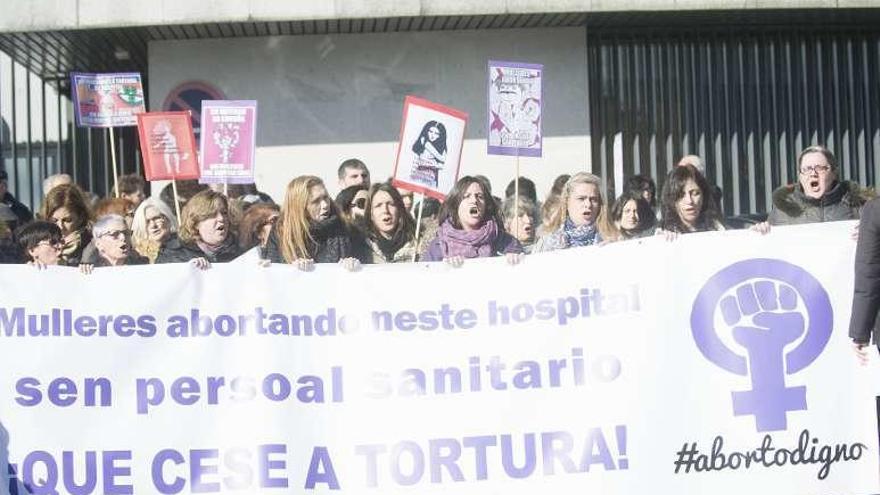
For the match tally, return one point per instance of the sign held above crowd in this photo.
(228, 141)
(515, 109)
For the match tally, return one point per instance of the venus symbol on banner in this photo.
(766, 304)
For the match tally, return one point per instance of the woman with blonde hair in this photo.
(579, 218)
(153, 225)
(205, 233)
(310, 230)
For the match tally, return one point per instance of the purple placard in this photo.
(107, 100)
(515, 102)
(228, 141)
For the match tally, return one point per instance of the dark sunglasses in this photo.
(359, 203)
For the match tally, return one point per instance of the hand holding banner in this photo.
(587, 370)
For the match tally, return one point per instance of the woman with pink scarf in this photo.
(470, 227)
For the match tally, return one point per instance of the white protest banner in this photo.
(725, 368)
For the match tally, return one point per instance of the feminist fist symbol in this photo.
(775, 324)
(780, 315)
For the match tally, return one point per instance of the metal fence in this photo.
(38, 137)
(747, 102)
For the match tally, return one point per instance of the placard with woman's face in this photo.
(429, 153)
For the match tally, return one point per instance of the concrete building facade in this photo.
(630, 86)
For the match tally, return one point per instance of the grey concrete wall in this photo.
(28, 15)
(323, 99)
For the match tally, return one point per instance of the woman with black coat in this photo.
(310, 229)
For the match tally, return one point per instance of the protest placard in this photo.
(429, 152)
(515, 100)
(107, 100)
(168, 145)
(228, 141)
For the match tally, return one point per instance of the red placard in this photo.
(168, 145)
(429, 152)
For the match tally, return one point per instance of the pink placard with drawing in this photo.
(228, 141)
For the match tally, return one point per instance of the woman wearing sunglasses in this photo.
(41, 243)
(113, 243)
(351, 203)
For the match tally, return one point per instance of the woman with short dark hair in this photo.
(41, 243)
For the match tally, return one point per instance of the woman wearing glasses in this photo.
(153, 225)
(818, 196)
(351, 201)
(113, 242)
(41, 242)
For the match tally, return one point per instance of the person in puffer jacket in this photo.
(818, 196)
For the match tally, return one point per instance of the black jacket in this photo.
(866, 290)
(21, 211)
(10, 253)
(133, 259)
(333, 241)
(176, 251)
(76, 257)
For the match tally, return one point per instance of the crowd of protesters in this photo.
(376, 223)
